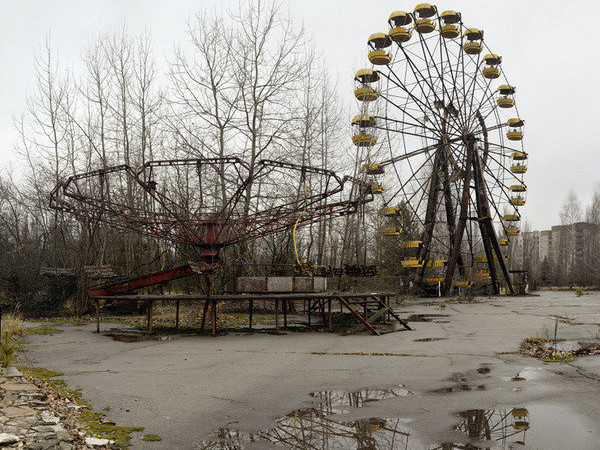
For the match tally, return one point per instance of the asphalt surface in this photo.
(187, 388)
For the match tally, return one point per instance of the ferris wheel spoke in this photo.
(486, 100)
(470, 88)
(405, 111)
(431, 61)
(404, 123)
(395, 130)
(503, 147)
(420, 80)
(422, 106)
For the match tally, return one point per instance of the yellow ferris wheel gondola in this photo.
(515, 129)
(364, 79)
(424, 24)
(519, 164)
(473, 46)
(492, 61)
(517, 197)
(378, 43)
(398, 22)
(506, 99)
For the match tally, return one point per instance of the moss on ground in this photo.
(151, 438)
(94, 421)
(39, 372)
(44, 330)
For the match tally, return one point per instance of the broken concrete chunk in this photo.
(97, 442)
(6, 439)
(49, 418)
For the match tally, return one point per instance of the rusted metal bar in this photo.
(462, 220)
(276, 316)
(150, 307)
(251, 308)
(285, 307)
(485, 223)
(358, 316)
(204, 312)
(329, 328)
(177, 315)
(97, 316)
(150, 279)
(246, 297)
(214, 317)
(450, 218)
(392, 313)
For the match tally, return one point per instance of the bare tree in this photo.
(571, 211)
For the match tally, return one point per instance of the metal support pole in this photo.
(204, 311)
(177, 316)
(251, 307)
(150, 317)
(309, 314)
(358, 316)
(329, 328)
(462, 220)
(214, 317)
(285, 305)
(276, 316)
(97, 316)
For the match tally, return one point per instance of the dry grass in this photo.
(12, 329)
(12, 325)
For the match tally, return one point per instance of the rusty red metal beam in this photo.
(132, 285)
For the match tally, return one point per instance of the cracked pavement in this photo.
(187, 387)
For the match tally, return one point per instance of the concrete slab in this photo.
(19, 387)
(188, 388)
(18, 411)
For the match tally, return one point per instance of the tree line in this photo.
(247, 82)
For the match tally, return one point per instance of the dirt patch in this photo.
(425, 317)
(551, 351)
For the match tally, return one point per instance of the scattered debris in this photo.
(549, 350)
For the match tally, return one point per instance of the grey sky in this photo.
(549, 51)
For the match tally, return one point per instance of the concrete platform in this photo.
(458, 358)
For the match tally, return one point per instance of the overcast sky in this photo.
(550, 51)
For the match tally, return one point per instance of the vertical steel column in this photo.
(462, 220)
(251, 307)
(430, 213)
(485, 224)
(450, 218)
(97, 316)
(276, 316)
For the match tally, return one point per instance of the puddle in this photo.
(532, 427)
(307, 429)
(324, 426)
(498, 428)
(427, 318)
(459, 388)
(564, 346)
(336, 400)
(429, 339)
(528, 373)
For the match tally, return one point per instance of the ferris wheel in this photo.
(441, 138)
